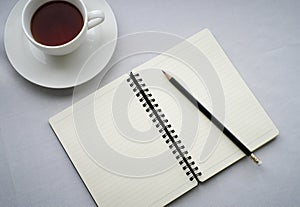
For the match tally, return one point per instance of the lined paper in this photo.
(200, 65)
(84, 128)
(231, 101)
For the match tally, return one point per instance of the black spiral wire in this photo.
(164, 127)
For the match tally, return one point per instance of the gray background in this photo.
(262, 40)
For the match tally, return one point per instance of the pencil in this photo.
(213, 119)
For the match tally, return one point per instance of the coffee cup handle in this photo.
(95, 18)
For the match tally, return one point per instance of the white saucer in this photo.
(60, 72)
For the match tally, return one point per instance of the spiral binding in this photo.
(164, 127)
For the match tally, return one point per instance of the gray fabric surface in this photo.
(262, 40)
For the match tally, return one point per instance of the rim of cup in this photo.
(29, 36)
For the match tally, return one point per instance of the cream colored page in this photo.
(242, 114)
(119, 169)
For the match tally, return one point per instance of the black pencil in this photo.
(213, 119)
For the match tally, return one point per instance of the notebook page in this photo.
(119, 169)
(236, 107)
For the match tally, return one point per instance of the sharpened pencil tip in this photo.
(255, 159)
(167, 75)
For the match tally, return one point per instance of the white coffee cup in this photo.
(90, 20)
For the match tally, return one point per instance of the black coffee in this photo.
(56, 23)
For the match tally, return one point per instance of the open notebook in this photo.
(117, 138)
